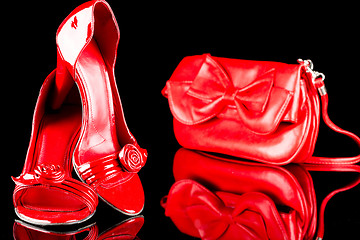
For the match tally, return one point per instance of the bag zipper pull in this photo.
(317, 77)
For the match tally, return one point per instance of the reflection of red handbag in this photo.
(264, 111)
(246, 200)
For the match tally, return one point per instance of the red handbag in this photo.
(258, 110)
(244, 200)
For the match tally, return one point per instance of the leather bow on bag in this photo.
(263, 111)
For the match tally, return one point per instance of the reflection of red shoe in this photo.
(107, 156)
(45, 193)
(23, 231)
(126, 230)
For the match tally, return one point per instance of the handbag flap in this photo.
(257, 93)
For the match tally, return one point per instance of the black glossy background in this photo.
(155, 36)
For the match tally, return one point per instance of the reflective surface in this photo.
(264, 201)
(230, 198)
(154, 38)
(126, 229)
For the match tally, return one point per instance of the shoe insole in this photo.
(56, 138)
(92, 78)
(102, 96)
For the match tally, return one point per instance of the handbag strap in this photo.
(318, 81)
(332, 168)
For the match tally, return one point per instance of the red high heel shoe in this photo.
(45, 193)
(107, 156)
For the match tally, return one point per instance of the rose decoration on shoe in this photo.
(43, 174)
(132, 158)
(49, 174)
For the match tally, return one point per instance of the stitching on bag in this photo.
(332, 162)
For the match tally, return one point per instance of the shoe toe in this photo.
(124, 192)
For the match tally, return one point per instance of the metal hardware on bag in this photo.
(315, 75)
(310, 68)
(307, 62)
(322, 90)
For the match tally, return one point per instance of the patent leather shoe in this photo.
(107, 157)
(45, 193)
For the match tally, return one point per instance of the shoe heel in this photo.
(63, 83)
